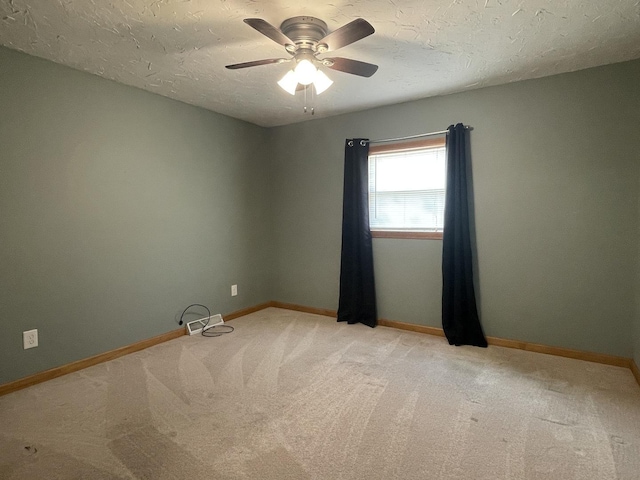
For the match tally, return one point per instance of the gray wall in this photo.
(555, 171)
(636, 350)
(118, 208)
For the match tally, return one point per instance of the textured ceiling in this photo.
(178, 48)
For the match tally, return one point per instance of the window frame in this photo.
(403, 146)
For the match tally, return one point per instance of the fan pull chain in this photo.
(313, 100)
(305, 109)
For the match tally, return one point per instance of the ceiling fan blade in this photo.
(269, 30)
(354, 67)
(347, 34)
(256, 63)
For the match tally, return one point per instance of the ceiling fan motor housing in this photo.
(305, 32)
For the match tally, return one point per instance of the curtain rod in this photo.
(430, 134)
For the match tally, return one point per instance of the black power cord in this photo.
(216, 330)
(207, 332)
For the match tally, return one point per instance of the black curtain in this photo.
(459, 311)
(357, 288)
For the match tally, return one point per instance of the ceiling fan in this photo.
(305, 38)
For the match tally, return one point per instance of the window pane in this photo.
(407, 190)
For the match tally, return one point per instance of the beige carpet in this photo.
(298, 396)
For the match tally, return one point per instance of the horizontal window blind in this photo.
(407, 190)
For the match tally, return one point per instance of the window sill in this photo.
(406, 235)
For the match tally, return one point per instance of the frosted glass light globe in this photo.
(305, 72)
(321, 82)
(289, 82)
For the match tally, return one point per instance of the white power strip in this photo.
(196, 326)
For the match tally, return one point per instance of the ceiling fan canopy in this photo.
(305, 38)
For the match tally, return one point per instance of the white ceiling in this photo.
(178, 48)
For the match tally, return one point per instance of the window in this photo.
(407, 189)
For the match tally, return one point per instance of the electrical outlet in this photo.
(234, 290)
(30, 338)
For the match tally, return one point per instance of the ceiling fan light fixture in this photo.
(305, 72)
(289, 82)
(321, 82)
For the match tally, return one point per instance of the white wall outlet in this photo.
(30, 338)
(234, 290)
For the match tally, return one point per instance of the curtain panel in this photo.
(459, 311)
(357, 302)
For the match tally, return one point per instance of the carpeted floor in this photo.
(290, 395)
